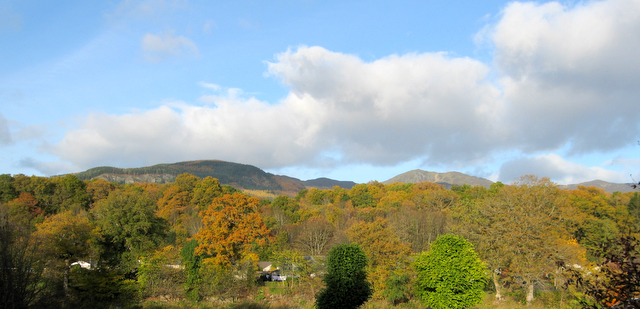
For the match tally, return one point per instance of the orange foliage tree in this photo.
(232, 228)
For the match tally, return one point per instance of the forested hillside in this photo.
(241, 176)
(197, 241)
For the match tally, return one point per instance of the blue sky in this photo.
(350, 90)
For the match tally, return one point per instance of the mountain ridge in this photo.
(240, 176)
(448, 178)
(244, 176)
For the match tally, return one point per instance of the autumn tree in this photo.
(598, 218)
(361, 197)
(634, 210)
(182, 200)
(291, 264)
(232, 228)
(176, 198)
(518, 228)
(99, 189)
(24, 209)
(315, 234)
(615, 283)
(41, 188)
(450, 274)
(418, 227)
(387, 256)
(66, 237)
(346, 279)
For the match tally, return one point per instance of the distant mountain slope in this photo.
(326, 183)
(449, 178)
(607, 186)
(241, 176)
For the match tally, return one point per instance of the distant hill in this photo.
(241, 176)
(326, 183)
(248, 177)
(448, 179)
(607, 186)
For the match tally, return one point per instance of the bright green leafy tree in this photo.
(192, 264)
(450, 274)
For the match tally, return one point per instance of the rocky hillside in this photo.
(241, 176)
(607, 186)
(448, 179)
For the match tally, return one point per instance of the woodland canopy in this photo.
(66, 242)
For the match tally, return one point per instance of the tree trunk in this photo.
(496, 283)
(530, 293)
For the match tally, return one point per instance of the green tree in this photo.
(205, 191)
(285, 210)
(346, 279)
(450, 274)
(634, 210)
(158, 274)
(7, 190)
(100, 289)
(21, 268)
(361, 197)
(70, 193)
(192, 264)
(128, 226)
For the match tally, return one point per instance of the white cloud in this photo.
(558, 170)
(571, 75)
(399, 107)
(567, 78)
(31, 132)
(158, 47)
(209, 86)
(46, 168)
(384, 112)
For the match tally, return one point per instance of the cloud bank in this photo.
(562, 78)
(557, 168)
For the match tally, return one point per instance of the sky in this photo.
(349, 90)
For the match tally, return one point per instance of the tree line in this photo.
(200, 241)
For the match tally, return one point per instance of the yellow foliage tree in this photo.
(232, 227)
(66, 235)
(387, 255)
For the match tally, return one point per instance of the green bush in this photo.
(346, 279)
(450, 274)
